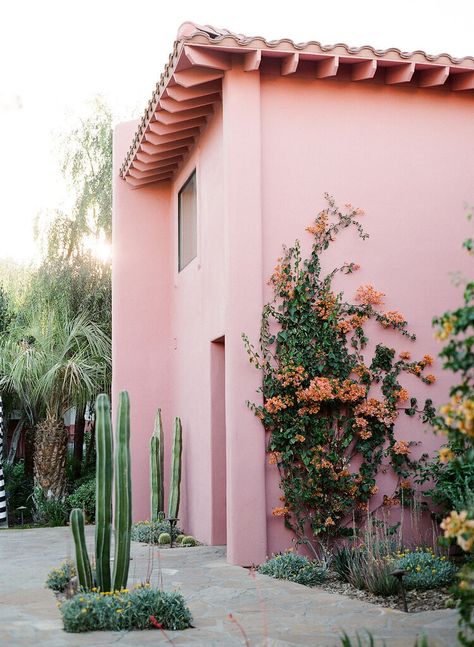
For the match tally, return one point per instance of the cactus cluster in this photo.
(123, 502)
(157, 470)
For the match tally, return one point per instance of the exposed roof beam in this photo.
(162, 129)
(186, 136)
(171, 105)
(364, 70)
(146, 158)
(135, 183)
(327, 68)
(289, 64)
(433, 77)
(179, 93)
(155, 151)
(402, 73)
(165, 117)
(462, 81)
(169, 168)
(143, 166)
(204, 58)
(173, 137)
(195, 76)
(252, 60)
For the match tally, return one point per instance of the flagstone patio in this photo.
(272, 613)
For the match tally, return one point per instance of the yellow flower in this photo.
(445, 454)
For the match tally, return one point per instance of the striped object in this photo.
(3, 499)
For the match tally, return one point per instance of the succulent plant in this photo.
(164, 538)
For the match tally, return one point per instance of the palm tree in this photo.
(52, 365)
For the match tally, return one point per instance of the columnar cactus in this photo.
(123, 494)
(175, 483)
(156, 468)
(103, 506)
(104, 471)
(84, 572)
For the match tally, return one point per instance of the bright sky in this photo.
(56, 55)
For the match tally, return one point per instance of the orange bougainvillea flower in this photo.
(274, 458)
(402, 395)
(405, 355)
(344, 327)
(277, 403)
(320, 224)
(390, 501)
(329, 522)
(401, 447)
(374, 489)
(428, 360)
(368, 295)
(350, 391)
(300, 438)
(405, 485)
(393, 317)
(430, 378)
(280, 512)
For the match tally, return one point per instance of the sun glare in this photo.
(99, 248)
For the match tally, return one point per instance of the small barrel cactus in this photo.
(179, 539)
(188, 541)
(164, 539)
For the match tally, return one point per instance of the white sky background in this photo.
(56, 55)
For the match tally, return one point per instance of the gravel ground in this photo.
(416, 600)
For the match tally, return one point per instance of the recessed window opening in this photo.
(187, 222)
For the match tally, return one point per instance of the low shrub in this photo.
(125, 610)
(149, 532)
(164, 538)
(372, 572)
(59, 578)
(83, 497)
(295, 568)
(50, 512)
(341, 561)
(18, 487)
(425, 569)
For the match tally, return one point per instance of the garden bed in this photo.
(416, 600)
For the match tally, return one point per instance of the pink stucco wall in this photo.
(263, 164)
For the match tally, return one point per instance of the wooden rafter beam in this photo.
(433, 77)
(289, 64)
(142, 166)
(171, 105)
(402, 73)
(165, 117)
(178, 93)
(327, 68)
(196, 76)
(148, 158)
(363, 70)
(204, 58)
(192, 126)
(462, 81)
(252, 60)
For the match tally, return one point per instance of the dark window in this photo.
(187, 222)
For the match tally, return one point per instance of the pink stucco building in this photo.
(231, 159)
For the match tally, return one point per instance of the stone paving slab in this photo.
(273, 613)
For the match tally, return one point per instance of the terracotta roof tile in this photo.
(190, 85)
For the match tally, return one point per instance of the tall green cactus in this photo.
(175, 483)
(123, 494)
(104, 471)
(157, 468)
(84, 572)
